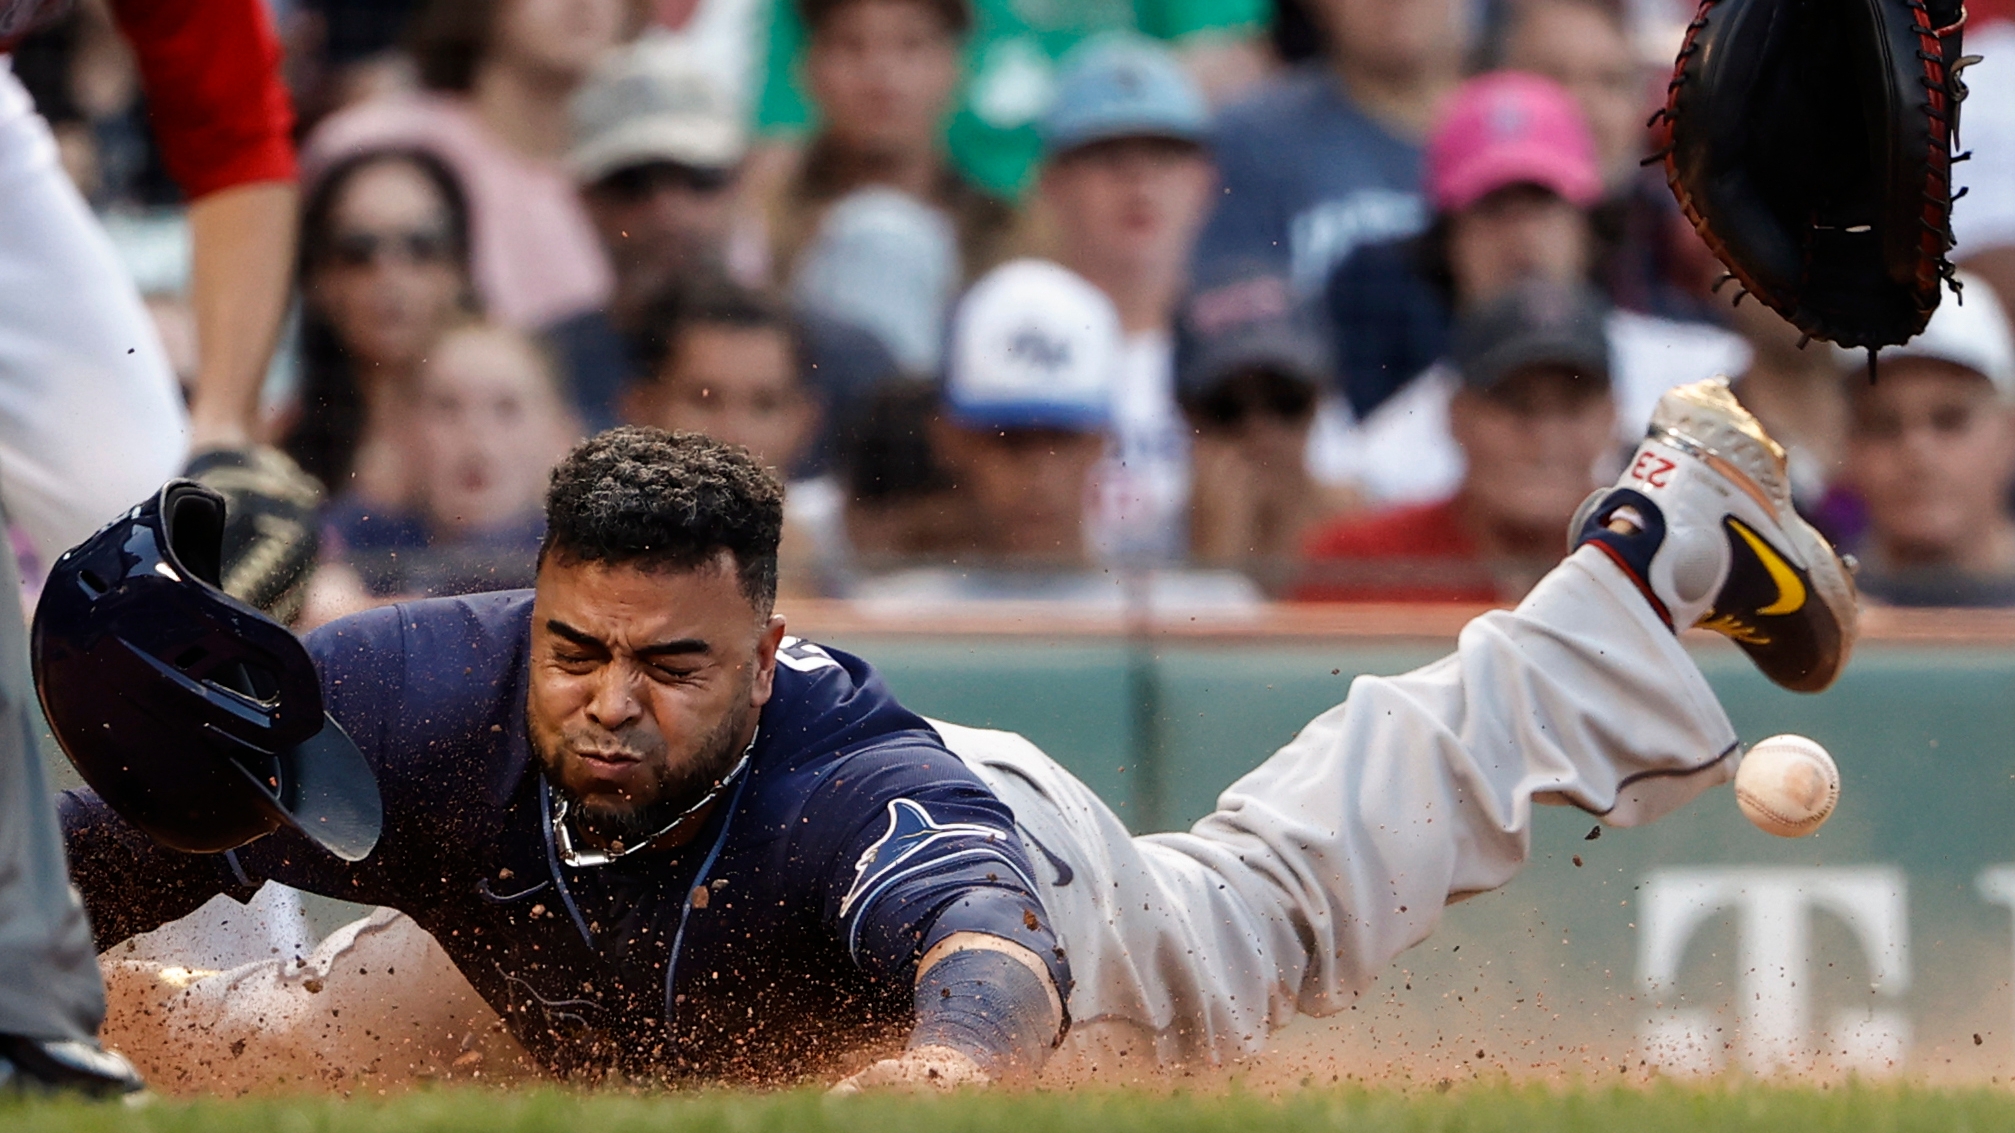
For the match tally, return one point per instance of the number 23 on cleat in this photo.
(1652, 468)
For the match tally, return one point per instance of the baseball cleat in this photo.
(40, 1066)
(1702, 522)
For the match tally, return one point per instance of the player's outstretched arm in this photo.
(987, 1010)
(928, 887)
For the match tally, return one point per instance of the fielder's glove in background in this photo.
(270, 525)
(1810, 143)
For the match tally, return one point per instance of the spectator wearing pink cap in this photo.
(1512, 175)
(1651, 260)
(1026, 405)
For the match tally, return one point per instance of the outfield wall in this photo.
(1881, 943)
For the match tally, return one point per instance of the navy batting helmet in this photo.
(196, 717)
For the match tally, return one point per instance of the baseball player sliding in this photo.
(665, 840)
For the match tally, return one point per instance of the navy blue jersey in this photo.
(780, 939)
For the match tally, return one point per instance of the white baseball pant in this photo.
(91, 419)
(1339, 852)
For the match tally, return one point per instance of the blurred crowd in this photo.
(1190, 303)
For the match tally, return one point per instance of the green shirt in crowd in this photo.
(1010, 68)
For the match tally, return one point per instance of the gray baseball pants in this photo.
(90, 422)
(49, 983)
(1341, 850)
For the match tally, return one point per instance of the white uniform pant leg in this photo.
(1341, 850)
(1419, 789)
(91, 419)
(1150, 934)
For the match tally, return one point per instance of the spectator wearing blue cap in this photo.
(1125, 184)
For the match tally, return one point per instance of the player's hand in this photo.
(923, 1070)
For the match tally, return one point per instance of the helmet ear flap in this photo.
(192, 524)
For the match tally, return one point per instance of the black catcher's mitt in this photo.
(270, 525)
(1810, 143)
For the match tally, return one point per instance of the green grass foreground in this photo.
(1479, 1108)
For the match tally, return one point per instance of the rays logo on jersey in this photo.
(901, 851)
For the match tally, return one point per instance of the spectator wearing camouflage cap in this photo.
(1534, 418)
(657, 148)
(658, 152)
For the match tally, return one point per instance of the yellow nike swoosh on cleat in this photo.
(1790, 589)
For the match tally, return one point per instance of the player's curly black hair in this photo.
(645, 497)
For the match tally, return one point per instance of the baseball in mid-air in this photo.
(1787, 786)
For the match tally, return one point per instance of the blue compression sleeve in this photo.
(988, 1005)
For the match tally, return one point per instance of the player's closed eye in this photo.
(358, 248)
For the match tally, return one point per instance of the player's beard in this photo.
(618, 822)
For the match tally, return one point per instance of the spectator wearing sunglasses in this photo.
(496, 77)
(1249, 368)
(1534, 419)
(384, 270)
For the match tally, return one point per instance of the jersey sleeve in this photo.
(211, 70)
(925, 850)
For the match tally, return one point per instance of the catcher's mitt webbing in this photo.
(1810, 144)
(270, 525)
